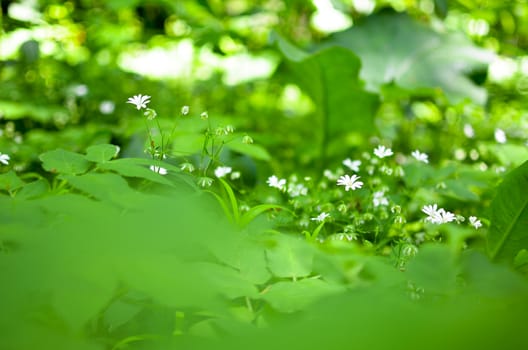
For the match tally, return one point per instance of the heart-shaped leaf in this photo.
(64, 162)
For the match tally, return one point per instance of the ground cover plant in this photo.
(207, 174)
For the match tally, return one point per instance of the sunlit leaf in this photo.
(395, 48)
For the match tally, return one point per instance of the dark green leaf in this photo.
(331, 79)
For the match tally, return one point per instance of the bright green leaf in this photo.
(295, 296)
(291, 257)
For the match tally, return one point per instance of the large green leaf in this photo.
(294, 296)
(291, 257)
(331, 78)
(508, 233)
(64, 162)
(396, 48)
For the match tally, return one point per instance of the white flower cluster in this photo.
(439, 216)
(294, 189)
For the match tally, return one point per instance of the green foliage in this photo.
(272, 181)
(507, 236)
(396, 49)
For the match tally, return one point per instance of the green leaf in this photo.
(331, 79)
(34, 189)
(137, 167)
(101, 153)
(396, 48)
(227, 280)
(10, 181)
(254, 151)
(119, 313)
(434, 269)
(64, 162)
(291, 257)
(295, 296)
(106, 187)
(508, 232)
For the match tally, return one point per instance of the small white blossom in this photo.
(80, 90)
(187, 167)
(500, 136)
(140, 101)
(421, 157)
(468, 131)
(222, 171)
(185, 110)
(473, 221)
(446, 216)
(295, 190)
(321, 217)
(107, 107)
(205, 181)
(158, 169)
(382, 151)
(437, 216)
(248, 140)
(204, 115)
(274, 181)
(4, 158)
(379, 199)
(352, 164)
(350, 182)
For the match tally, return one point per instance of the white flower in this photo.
(229, 129)
(379, 199)
(107, 107)
(295, 190)
(421, 157)
(80, 90)
(4, 158)
(382, 151)
(222, 171)
(500, 136)
(446, 216)
(185, 110)
(350, 182)
(158, 169)
(205, 181)
(140, 101)
(321, 217)
(187, 167)
(468, 131)
(437, 216)
(352, 164)
(203, 115)
(274, 181)
(473, 221)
